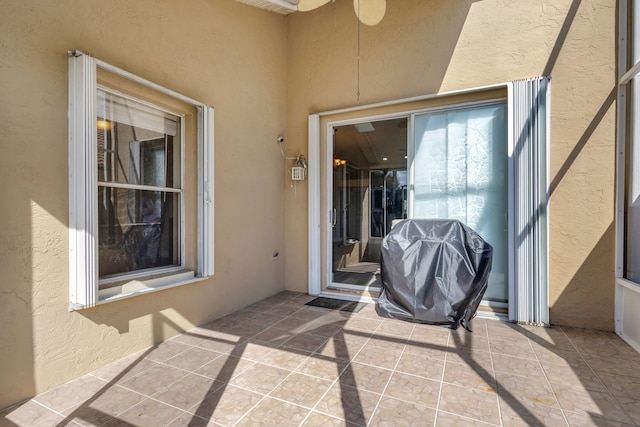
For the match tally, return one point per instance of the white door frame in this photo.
(315, 196)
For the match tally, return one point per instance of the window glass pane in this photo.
(137, 230)
(137, 144)
(461, 173)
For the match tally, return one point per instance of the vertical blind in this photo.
(530, 158)
(460, 169)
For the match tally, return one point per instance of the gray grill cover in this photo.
(433, 271)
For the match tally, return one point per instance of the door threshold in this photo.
(349, 296)
(357, 288)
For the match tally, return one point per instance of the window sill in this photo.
(134, 287)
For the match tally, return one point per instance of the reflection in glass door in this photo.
(388, 200)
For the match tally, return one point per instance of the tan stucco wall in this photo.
(220, 52)
(429, 46)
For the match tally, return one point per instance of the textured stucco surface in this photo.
(429, 46)
(220, 52)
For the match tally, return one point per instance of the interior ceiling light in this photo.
(369, 12)
(364, 127)
(104, 124)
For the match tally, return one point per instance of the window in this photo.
(628, 137)
(134, 200)
(629, 161)
(627, 293)
(139, 187)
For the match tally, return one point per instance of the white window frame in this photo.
(627, 292)
(84, 289)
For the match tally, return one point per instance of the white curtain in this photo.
(460, 172)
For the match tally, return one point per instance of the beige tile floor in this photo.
(280, 362)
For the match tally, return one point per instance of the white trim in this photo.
(206, 204)
(621, 134)
(144, 82)
(83, 246)
(347, 286)
(372, 119)
(332, 214)
(414, 99)
(134, 287)
(629, 75)
(494, 304)
(411, 172)
(511, 224)
(628, 321)
(481, 314)
(313, 174)
(123, 277)
(348, 297)
(141, 187)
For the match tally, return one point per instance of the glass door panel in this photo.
(349, 266)
(460, 172)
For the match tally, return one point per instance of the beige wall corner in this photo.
(424, 47)
(220, 52)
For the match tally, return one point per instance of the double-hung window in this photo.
(140, 180)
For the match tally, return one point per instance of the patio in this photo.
(279, 362)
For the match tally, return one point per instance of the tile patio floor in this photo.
(279, 362)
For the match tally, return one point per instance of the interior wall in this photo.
(220, 52)
(430, 46)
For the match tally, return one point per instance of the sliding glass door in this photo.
(441, 164)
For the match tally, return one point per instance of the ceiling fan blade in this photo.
(369, 12)
(307, 5)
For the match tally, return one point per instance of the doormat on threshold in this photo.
(337, 304)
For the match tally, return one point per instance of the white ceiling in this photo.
(273, 6)
(387, 140)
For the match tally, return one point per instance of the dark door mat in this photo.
(337, 304)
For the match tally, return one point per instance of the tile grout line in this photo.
(495, 377)
(291, 372)
(549, 382)
(597, 376)
(189, 372)
(444, 369)
(333, 383)
(50, 409)
(393, 371)
(265, 396)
